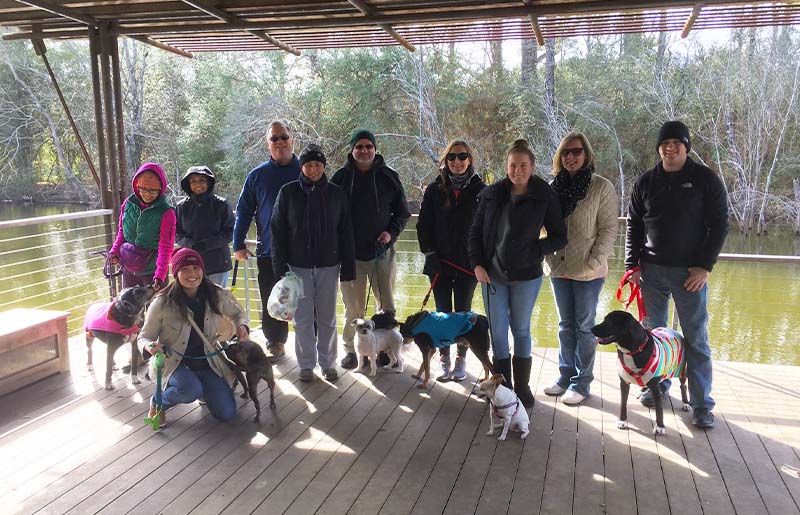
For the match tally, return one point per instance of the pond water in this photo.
(753, 306)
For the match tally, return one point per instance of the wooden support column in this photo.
(122, 156)
(108, 115)
(687, 27)
(105, 187)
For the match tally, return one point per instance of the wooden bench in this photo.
(33, 345)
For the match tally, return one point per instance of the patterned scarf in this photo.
(571, 190)
(458, 182)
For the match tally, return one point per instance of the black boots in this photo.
(522, 376)
(503, 366)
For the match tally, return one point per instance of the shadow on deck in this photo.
(384, 446)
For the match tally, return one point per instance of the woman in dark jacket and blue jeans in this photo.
(448, 208)
(507, 248)
(312, 235)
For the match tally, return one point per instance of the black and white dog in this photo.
(645, 358)
(116, 323)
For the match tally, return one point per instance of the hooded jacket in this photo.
(444, 223)
(377, 203)
(149, 226)
(537, 208)
(205, 223)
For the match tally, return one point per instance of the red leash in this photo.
(635, 294)
(436, 278)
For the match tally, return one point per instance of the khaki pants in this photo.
(381, 272)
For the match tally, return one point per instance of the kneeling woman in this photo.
(312, 236)
(188, 374)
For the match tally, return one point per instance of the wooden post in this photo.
(105, 189)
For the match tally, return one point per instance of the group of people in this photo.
(340, 233)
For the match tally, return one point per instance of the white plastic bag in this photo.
(285, 296)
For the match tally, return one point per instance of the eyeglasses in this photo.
(148, 191)
(574, 152)
(282, 137)
(462, 156)
(364, 147)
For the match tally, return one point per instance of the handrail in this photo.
(22, 222)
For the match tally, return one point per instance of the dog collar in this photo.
(641, 347)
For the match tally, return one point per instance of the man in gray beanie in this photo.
(677, 224)
(379, 212)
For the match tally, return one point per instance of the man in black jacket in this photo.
(677, 224)
(379, 212)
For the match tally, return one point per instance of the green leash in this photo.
(155, 420)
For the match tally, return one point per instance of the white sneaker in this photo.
(573, 398)
(554, 389)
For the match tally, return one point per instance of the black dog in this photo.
(643, 360)
(127, 310)
(248, 357)
(476, 339)
(384, 320)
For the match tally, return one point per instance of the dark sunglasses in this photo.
(282, 137)
(574, 152)
(364, 147)
(462, 156)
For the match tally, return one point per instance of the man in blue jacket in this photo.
(677, 224)
(258, 199)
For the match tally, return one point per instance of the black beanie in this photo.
(674, 130)
(361, 134)
(312, 153)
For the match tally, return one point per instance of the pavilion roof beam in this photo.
(66, 12)
(229, 18)
(370, 13)
(537, 30)
(690, 21)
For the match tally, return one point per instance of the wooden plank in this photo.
(589, 494)
(337, 467)
(311, 441)
(620, 492)
(358, 475)
(172, 477)
(406, 490)
(220, 485)
(375, 492)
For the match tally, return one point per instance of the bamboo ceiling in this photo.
(234, 25)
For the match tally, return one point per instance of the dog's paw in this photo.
(416, 376)
(686, 407)
(135, 380)
(422, 386)
(490, 432)
(622, 424)
(90, 368)
(659, 431)
(109, 386)
(524, 435)
(243, 395)
(501, 438)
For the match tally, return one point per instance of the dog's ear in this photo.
(498, 379)
(354, 322)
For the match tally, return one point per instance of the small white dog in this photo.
(505, 407)
(371, 341)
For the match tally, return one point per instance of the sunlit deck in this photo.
(383, 446)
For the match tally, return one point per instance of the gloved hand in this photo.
(432, 264)
(158, 284)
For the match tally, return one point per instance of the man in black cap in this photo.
(379, 212)
(677, 224)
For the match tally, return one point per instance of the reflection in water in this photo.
(753, 306)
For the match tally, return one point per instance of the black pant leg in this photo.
(463, 292)
(276, 331)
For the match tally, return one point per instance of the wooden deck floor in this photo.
(383, 446)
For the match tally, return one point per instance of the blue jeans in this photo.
(577, 307)
(185, 386)
(658, 284)
(511, 305)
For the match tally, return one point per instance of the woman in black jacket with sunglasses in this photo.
(448, 208)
